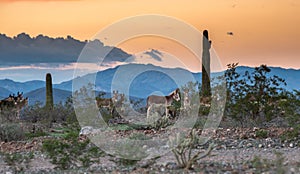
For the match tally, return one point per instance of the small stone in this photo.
(291, 145)
(171, 165)
(260, 145)
(162, 169)
(269, 145)
(277, 147)
(292, 170)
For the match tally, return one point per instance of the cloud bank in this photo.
(25, 50)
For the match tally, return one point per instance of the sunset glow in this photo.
(264, 32)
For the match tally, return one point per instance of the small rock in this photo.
(292, 170)
(249, 145)
(260, 145)
(171, 165)
(291, 145)
(162, 169)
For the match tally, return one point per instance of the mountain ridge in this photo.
(151, 78)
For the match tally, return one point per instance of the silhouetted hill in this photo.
(24, 87)
(4, 93)
(40, 95)
(155, 78)
(148, 79)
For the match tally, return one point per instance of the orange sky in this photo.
(265, 31)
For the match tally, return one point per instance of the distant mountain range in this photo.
(142, 80)
(24, 87)
(4, 92)
(39, 95)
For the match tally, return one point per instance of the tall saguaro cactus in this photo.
(206, 89)
(49, 91)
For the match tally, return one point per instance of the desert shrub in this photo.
(204, 110)
(261, 133)
(105, 114)
(18, 161)
(182, 149)
(269, 166)
(68, 152)
(252, 95)
(289, 107)
(291, 134)
(123, 162)
(30, 135)
(11, 132)
(7, 115)
(60, 113)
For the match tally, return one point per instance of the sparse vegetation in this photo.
(254, 99)
(67, 152)
(261, 133)
(182, 149)
(11, 132)
(19, 161)
(264, 165)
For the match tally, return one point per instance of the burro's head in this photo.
(176, 95)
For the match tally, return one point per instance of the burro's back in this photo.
(155, 99)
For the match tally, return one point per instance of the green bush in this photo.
(261, 134)
(36, 134)
(11, 132)
(253, 95)
(18, 161)
(60, 113)
(269, 166)
(291, 134)
(68, 152)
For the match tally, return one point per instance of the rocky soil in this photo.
(238, 150)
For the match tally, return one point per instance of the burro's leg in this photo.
(167, 111)
(148, 111)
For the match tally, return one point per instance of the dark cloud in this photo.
(23, 49)
(155, 54)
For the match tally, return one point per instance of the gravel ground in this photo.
(236, 148)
